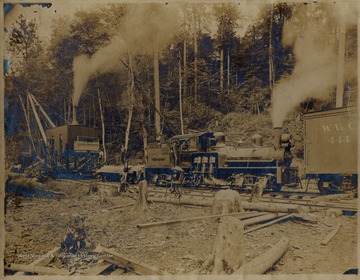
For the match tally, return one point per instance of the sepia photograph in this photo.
(179, 138)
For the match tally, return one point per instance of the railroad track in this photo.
(281, 197)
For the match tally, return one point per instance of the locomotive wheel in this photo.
(277, 187)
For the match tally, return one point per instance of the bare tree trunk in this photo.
(94, 110)
(180, 99)
(84, 114)
(341, 63)
(228, 70)
(157, 93)
(221, 70)
(185, 68)
(271, 62)
(102, 121)
(69, 110)
(131, 109)
(195, 56)
(143, 124)
(65, 110)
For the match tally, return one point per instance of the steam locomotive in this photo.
(206, 159)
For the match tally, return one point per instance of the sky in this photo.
(44, 16)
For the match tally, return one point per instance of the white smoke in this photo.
(144, 29)
(316, 52)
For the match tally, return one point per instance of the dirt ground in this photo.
(34, 226)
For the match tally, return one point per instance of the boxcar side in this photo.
(331, 146)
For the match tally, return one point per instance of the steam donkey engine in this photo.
(73, 149)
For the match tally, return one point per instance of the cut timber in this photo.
(269, 223)
(45, 260)
(112, 209)
(134, 265)
(264, 262)
(332, 197)
(328, 238)
(226, 201)
(243, 215)
(228, 251)
(307, 218)
(261, 219)
(141, 204)
(37, 269)
(269, 207)
(98, 268)
(185, 201)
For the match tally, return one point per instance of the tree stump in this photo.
(226, 201)
(258, 189)
(228, 251)
(141, 204)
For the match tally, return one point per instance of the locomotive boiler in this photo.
(206, 158)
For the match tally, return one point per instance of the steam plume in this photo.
(315, 50)
(144, 29)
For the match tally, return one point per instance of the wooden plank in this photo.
(37, 269)
(269, 223)
(243, 215)
(45, 260)
(331, 235)
(265, 261)
(136, 266)
(97, 268)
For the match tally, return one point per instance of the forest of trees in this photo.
(216, 73)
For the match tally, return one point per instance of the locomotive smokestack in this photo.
(277, 137)
(74, 122)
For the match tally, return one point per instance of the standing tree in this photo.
(226, 16)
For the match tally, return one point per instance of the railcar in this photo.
(331, 149)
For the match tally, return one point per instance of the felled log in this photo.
(228, 251)
(37, 269)
(242, 215)
(226, 201)
(269, 223)
(270, 207)
(260, 219)
(306, 218)
(331, 235)
(136, 266)
(332, 197)
(264, 262)
(185, 201)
